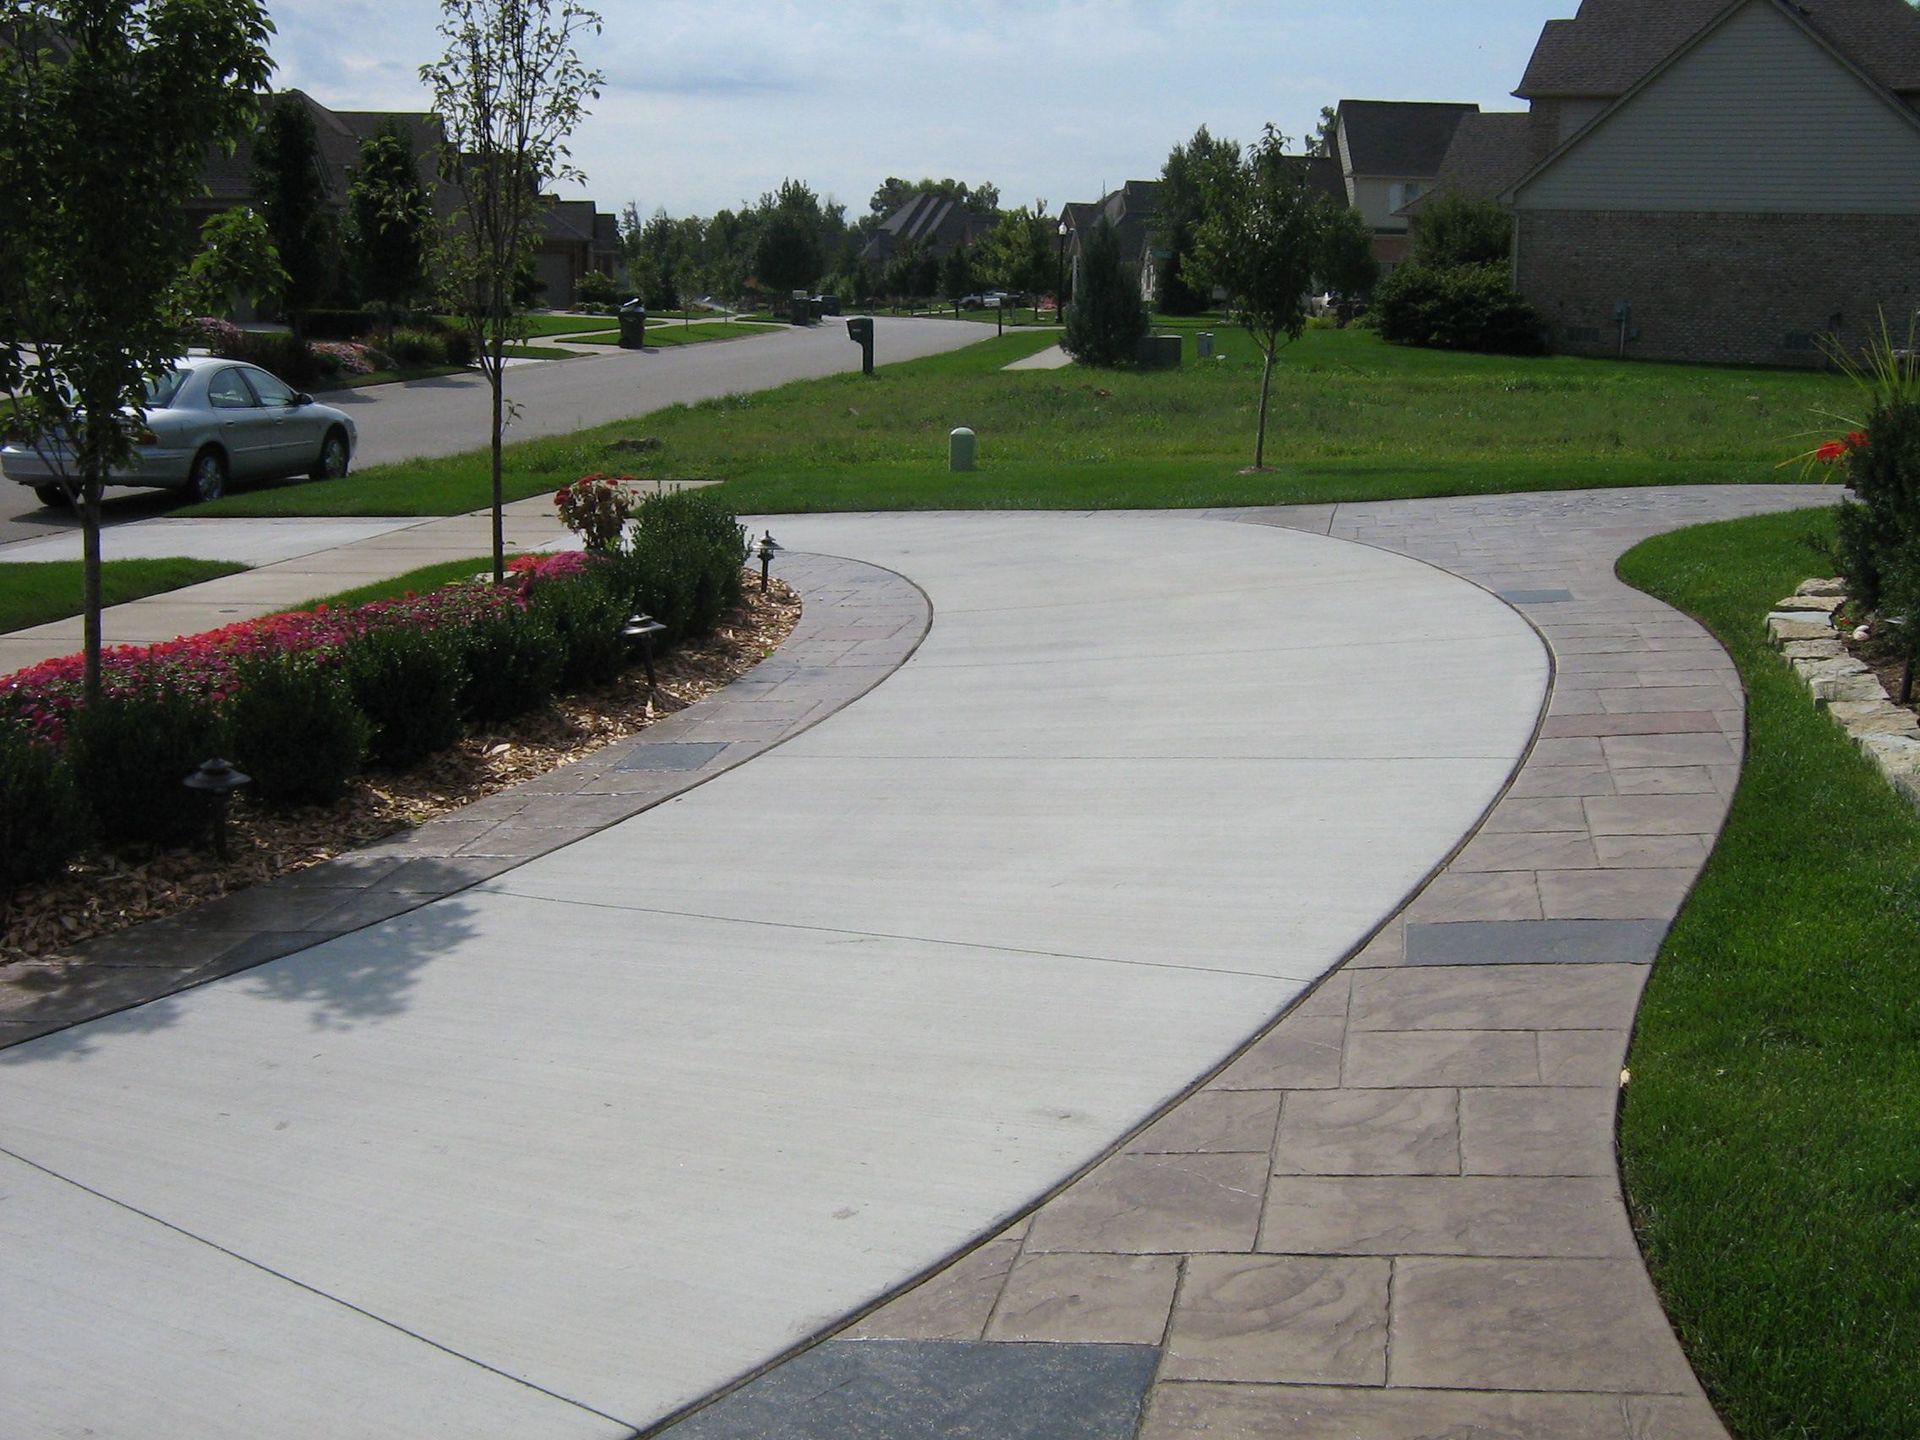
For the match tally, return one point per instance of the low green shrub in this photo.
(292, 725)
(42, 822)
(414, 347)
(681, 560)
(588, 615)
(407, 683)
(1461, 307)
(131, 754)
(285, 356)
(1880, 529)
(512, 661)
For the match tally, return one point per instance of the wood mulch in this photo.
(102, 893)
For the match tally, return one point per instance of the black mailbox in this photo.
(633, 325)
(860, 331)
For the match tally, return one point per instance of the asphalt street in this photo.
(445, 416)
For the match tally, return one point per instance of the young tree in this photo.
(1193, 173)
(1346, 262)
(1019, 252)
(509, 90)
(1259, 244)
(392, 220)
(1321, 141)
(956, 275)
(1455, 228)
(1106, 320)
(236, 261)
(787, 254)
(106, 109)
(290, 184)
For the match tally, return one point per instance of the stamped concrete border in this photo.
(859, 623)
(1398, 1212)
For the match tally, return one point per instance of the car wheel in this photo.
(54, 497)
(332, 464)
(208, 478)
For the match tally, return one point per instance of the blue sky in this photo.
(708, 102)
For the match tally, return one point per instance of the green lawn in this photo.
(33, 593)
(1771, 1134)
(1353, 419)
(663, 334)
(427, 577)
(541, 327)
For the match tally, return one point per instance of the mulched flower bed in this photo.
(103, 893)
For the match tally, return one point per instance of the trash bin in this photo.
(801, 312)
(1158, 352)
(633, 325)
(1203, 345)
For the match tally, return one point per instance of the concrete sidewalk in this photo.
(563, 1153)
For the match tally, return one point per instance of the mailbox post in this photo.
(860, 331)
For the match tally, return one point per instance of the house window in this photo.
(1403, 192)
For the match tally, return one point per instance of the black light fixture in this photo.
(641, 630)
(766, 550)
(1060, 280)
(217, 779)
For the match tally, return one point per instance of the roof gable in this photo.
(1759, 112)
(1611, 44)
(1404, 138)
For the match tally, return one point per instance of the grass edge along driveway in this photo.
(37, 592)
(1355, 419)
(1770, 1136)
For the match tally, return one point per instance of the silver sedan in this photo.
(208, 421)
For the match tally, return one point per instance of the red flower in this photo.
(1856, 439)
(1831, 451)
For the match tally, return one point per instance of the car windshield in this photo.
(162, 388)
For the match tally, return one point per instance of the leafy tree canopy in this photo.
(895, 192)
(393, 220)
(290, 184)
(1454, 228)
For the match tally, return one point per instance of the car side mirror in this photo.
(302, 398)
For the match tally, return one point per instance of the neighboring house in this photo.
(931, 221)
(575, 239)
(229, 178)
(1712, 181)
(1390, 153)
(1130, 211)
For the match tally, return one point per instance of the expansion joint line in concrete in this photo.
(302, 1285)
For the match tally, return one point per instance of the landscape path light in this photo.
(217, 779)
(766, 550)
(641, 630)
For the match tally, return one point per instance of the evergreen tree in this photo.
(956, 274)
(290, 184)
(1106, 320)
(392, 220)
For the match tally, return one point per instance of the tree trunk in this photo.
(1266, 384)
(90, 489)
(499, 379)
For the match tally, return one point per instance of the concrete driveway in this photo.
(562, 1153)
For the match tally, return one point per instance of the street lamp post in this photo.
(1060, 280)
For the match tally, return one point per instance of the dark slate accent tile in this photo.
(1535, 597)
(689, 755)
(1536, 942)
(937, 1390)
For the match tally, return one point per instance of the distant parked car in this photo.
(209, 421)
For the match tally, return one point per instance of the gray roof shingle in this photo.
(1398, 137)
(1611, 44)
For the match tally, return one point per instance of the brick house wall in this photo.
(1722, 289)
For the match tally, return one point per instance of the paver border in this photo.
(1485, 1137)
(859, 623)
